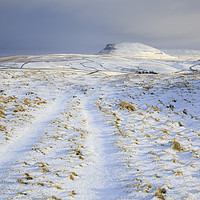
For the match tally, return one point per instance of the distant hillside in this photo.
(134, 50)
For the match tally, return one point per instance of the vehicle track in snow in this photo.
(102, 178)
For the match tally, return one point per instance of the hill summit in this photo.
(137, 50)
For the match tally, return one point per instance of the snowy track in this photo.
(26, 136)
(102, 179)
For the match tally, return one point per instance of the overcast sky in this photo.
(86, 26)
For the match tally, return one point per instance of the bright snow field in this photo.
(80, 127)
(97, 136)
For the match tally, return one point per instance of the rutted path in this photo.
(27, 136)
(101, 179)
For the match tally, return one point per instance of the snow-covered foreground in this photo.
(123, 124)
(72, 134)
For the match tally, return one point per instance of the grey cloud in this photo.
(77, 26)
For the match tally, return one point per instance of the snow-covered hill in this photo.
(123, 58)
(136, 50)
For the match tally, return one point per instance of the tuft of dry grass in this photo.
(71, 177)
(27, 102)
(78, 152)
(178, 173)
(28, 177)
(160, 193)
(2, 128)
(55, 198)
(19, 180)
(19, 108)
(72, 193)
(44, 170)
(58, 187)
(177, 146)
(127, 106)
(41, 184)
(180, 124)
(156, 109)
(74, 174)
(148, 87)
(2, 114)
(3, 99)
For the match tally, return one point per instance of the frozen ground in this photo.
(86, 127)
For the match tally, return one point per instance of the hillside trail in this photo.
(28, 135)
(103, 177)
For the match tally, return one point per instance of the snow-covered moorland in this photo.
(106, 126)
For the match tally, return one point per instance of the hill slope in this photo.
(122, 57)
(76, 135)
(134, 50)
